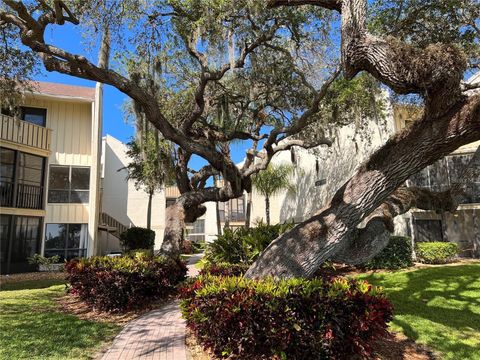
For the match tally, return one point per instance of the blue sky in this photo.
(68, 37)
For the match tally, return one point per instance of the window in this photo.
(441, 175)
(20, 239)
(7, 172)
(66, 240)
(234, 209)
(21, 179)
(428, 230)
(196, 230)
(34, 115)
(30, 169)
(170, 202)
(68, 184)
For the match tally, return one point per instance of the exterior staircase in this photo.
(111, 224)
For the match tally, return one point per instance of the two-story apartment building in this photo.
(50, 175)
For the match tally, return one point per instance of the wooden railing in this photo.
(24, 133)
(25, 196)
(107, 220)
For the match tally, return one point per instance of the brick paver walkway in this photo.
(160, 334)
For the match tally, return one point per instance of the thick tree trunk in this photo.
(149, 210)
(300, 252)
(186, 209)
(267, 209)
(174, 227)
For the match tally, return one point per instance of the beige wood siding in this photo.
(71, 130)
(67, 213)
(70, 145)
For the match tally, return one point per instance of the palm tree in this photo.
(271, 181)
(151, 166)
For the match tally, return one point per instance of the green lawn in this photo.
(438, 306)
(31, 327)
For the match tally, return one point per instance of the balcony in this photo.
(19, 132)
(21, 195)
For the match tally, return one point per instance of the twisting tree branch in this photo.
(374, 236)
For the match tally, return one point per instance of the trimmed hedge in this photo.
(243, 245)
(122, 283)
(224, 269)
(238, 318)
(396, 255)
(436, 252)
(137, 238)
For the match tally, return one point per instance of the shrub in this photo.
(243, 245)
(43, 263)
(396, 255)
(289, 319)
(138, 253)
(122, 283)
(224, 269)
(137, 238)
(436, 252)
(187, 247)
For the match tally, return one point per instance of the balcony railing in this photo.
(25, 196)
(107, 220)
(24, 133)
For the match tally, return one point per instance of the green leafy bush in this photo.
(396, 255)
(224, 269)
(49, 264)
(239, 318)
(138, 253)
(436, 252)
(122, 283)
(243, 245)
(137, 238)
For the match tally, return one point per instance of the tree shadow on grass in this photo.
(439, 306)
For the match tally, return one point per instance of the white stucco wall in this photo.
(336, 165)
(120, 198)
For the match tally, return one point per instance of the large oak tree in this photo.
(272, 90)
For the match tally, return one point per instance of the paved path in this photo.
(157, 335)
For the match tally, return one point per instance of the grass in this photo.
(437, 306)
(32, 327)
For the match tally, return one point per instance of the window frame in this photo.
(191, 229)
(38, 109)
(69, 189)
(82, 251)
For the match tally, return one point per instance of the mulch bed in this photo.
(398, 347)
(73, 305)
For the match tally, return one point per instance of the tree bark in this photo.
(300, 251)
(174, 228)
(149, 210)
